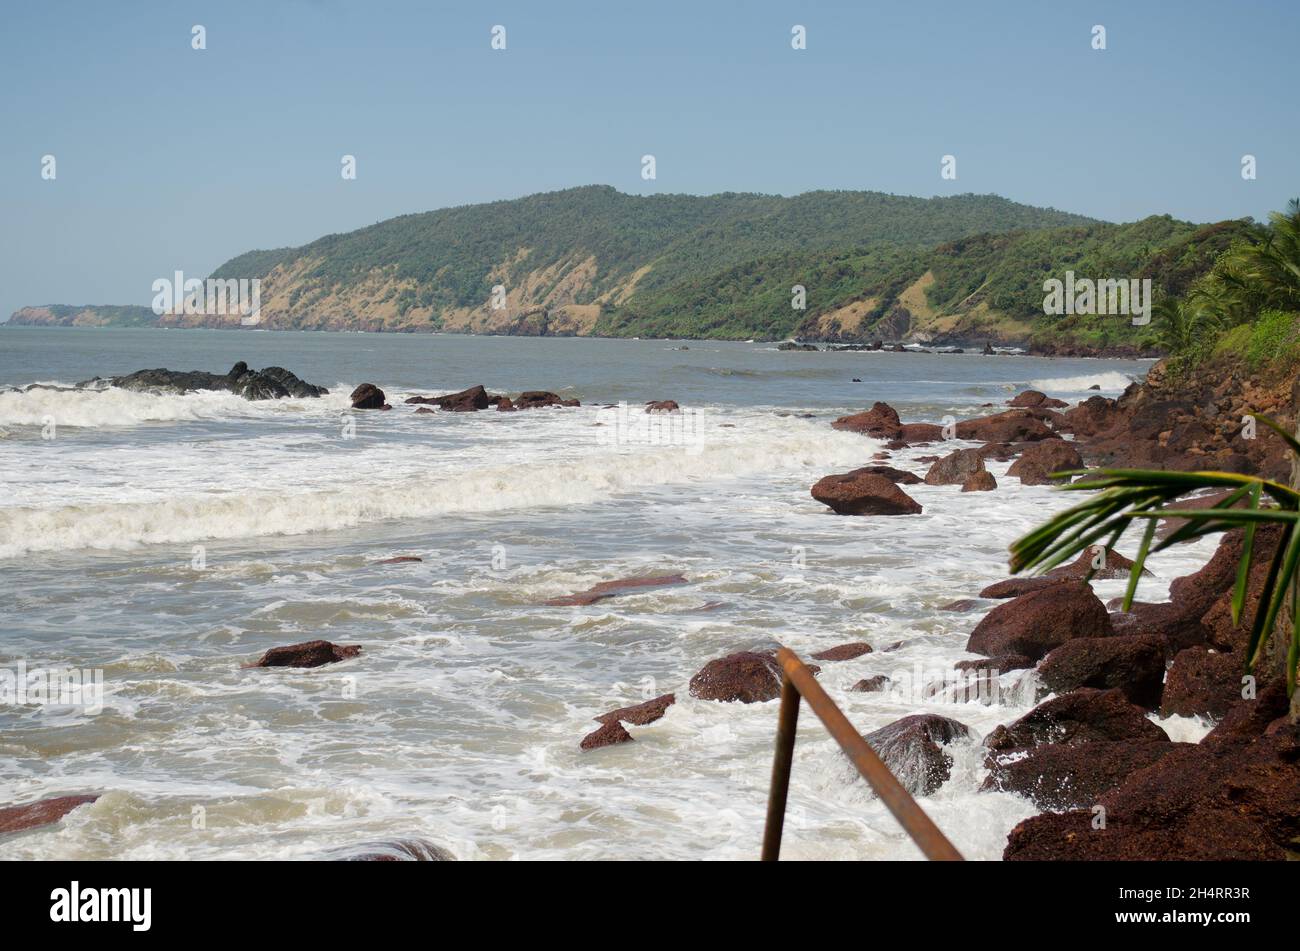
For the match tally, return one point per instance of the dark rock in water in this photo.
(864, 493)
(1070, 777)
(844, 651)
(612, 589)
(881, 421)
(897, 476)
(466, 401)
(607, 734)
(1039, 460)
(791, 345)
(981, 481)
(965, 604)
(641, 713)
(746, 676)
(535, 399)
(955, 468)
(307, 654)
(662, 406)
(368, 396)
(913, 750)
(1041, 620)
(1015, 425)
(1237, 800)
(399, 850)
(43, 812)
(1081, 716)
(399, 560)
(1034, 398)
(1133, 663)
(268, 384)
(871, 684)
(1002, 663)
(912, 434)
(988, 349)
(1203, 683)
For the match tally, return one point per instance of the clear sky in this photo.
(171, 158)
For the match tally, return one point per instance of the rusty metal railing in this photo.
(799, 683)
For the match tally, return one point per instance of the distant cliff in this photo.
(88, 315)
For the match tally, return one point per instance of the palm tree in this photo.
(1184, 322)
(1142, 494)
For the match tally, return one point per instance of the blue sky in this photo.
(171, 158)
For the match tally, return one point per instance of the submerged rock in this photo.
(399, 850)
(613, 589)
(607, 734)
(640, 714)
(268, 384)
(307, 654)
(43, 812)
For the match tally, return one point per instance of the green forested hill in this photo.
(593, 260)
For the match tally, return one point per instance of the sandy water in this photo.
(460, 721)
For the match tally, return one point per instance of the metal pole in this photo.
(787, 721)
(873, 769)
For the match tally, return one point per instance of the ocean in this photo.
(167, 540)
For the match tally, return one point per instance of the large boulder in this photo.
(1058, 778)
(917, 433)
(897, 476)
(1094, 415)
(1080, 716)
(1015, 425)
(43, 812)
(1230, 801)
(1203, 683)
(881, 421)
(864, 493)
(1035, 623)
(1135, 664)
(912, 748)
(746, 676)
(368, 396)
(1039, 460)
(307, 654)
(955, 468)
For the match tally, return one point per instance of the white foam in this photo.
(1113, 381)
(118, 407)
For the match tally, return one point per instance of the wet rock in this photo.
(368, 396)
(1039, 460)
(466, 401)
(1016, 425)
(1203, 683)
(791, 345)
(1220, 631)
(1113, 565)
(268, 384)
(608, 734)
(307, 654)
(955, 468)
(1034, 398)
(862, 493)
(1035, 623)
(43, 812)
(535, 399)
(1135, 664)
(399, 850)
(897, 476)
(871, 684)
(982, 481)
(640, 714)
(1058, 778)
(1093, 416)
(913, 750)
(1231, 801)
(1002, 663)
(745, 676)
(399, 560)
(844, 651)
(965, 604)
(614, 589)
(1015, 587)
(913, 434)
(881, 421)
(1081, 716)
(662, 406)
